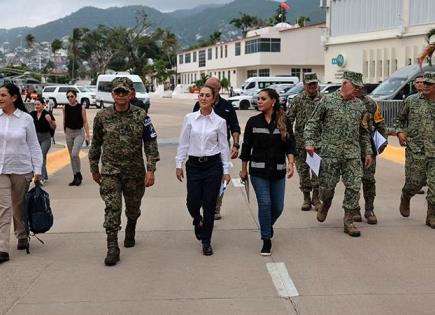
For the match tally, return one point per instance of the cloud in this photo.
(18, 13)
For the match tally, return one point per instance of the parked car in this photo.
(57, 94)
(327, 88)
(279, 88)
(104, 88)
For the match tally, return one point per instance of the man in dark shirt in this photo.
(226, 111)
(137, 102)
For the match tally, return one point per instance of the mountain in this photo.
(188, 25)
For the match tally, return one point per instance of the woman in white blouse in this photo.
(203, 140)
(20, 160)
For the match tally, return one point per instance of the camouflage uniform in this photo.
(341, 127)
(120, 135)
(409, 122)
(299, 113)
(375, 123)
(429, 147)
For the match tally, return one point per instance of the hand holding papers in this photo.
(314, 162)
(379, 141)
(223, 188)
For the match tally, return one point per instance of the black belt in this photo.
(203, 159)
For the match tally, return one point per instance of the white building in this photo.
(281, 50)
(374, 37)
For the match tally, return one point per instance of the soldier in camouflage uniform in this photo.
(339, 123)
(429, 144)
(299, 112)
(410, 132)
(375, 123)
(419, 137)
(119, 132)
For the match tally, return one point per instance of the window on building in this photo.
(180, 59)
(296, 72)
(251, 73)
(222, 51)
(306, 70)
(396, 64)
(263, 45)
(409, 61)
(372, 68)
(387, 68)
(201, 58)
(366, 69)
(226, 51)
(216, 53)
(194, 56)
(229, 76)
(187, 58)
(380, 68)
(264, 73)
(238, 49)
(209, 54)
(219, 75)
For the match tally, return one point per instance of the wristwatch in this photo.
(236, 145)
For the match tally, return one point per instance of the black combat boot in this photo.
(130, 231)
(73, 183)
(112, 249)
(79, 179)
(306, 205)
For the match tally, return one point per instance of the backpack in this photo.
(38, 217)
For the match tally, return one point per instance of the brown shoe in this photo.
(404, 206)
(430, 218)
(306, 205)
(371, 217)
(349, 227)
(356, 216)
(323, 211)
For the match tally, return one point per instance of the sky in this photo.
(17, 13)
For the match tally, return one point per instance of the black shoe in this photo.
(73, 183)
(206, 249)
(4, 257)
(267, 248)
(198, 230)
(79, 179)
(22, 243)
(420, 192)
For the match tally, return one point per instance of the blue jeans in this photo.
(270, 198)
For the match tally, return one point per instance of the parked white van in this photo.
(252, 85)
(104, 88)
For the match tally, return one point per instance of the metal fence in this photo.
(390, 110)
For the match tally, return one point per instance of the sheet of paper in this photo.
(223, 188)
(314, 162)
(379, 140)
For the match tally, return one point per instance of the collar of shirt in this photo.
(16, 113)
(199, 115)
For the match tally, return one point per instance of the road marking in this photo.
(281, 279)
(236, 182)
(394, 154)
(59, 159)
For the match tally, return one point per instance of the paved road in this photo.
(389, 270)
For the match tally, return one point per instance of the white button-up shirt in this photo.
(20, 152)
(203, 136)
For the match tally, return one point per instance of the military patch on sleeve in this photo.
(149, 133)
(377, 117)
(365, 120)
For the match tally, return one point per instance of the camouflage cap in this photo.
(310, 77)
(429, 77)
(353, 77)
(122, 83)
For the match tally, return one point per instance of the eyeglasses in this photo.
(70, 96)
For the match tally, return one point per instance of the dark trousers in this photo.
(204, 179)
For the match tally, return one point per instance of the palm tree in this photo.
(75, 47)
(30, 40)
(246, 22)
(302, 20)
(56, 45)
(169, 44)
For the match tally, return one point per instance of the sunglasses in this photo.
(70, 96)
(121, 92)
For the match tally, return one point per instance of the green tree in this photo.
(225, 84)
(74, 48)
(302, 20)
(56, 45)
(30, 40)
(169, 45)
(202, 79)
(279, 16)
(246, 22)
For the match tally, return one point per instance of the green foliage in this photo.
(30, 40)
(302, 20)
(56, 45)
(246, 23)
(201, 81)
(225, 84)
(279, 16)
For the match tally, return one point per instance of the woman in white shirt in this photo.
(203, 140)
(20, 160)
